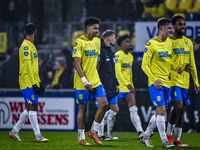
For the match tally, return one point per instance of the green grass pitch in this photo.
(68, 140)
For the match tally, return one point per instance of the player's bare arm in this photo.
(77, 64)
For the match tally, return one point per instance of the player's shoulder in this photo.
(150, 42)
(96, 39)
(26, 45)
(187, 39)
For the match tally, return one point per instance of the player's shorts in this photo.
(178, 93)
(160, 97)
(113, 100)
(29, 96)
(83, 96)
(123, 95)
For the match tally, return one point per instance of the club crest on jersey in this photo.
(169, 46)
(74, 51)
(115, 60)
(26, 53)
(116, 56)
(26, 48)
(97, 45)
(145, 49)
(186, 43)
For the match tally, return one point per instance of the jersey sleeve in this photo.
(118, 69)
(193, 64)
(26, 52)
(77, 50)
(148, 54)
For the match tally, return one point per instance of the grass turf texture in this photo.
(68, 140)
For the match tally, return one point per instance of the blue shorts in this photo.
(159, 97)
(123, 95)
(29, 96)
(178, 93)
(113, 100)
(83, 96)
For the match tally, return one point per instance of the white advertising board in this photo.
(53, 113)
(144, 31)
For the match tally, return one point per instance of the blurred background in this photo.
(60, 22)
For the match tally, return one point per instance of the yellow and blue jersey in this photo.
(156, 61)
(183, 53)
(28, 65)
(88, 51)
(123, 70)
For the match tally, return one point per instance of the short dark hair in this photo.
(29, 28)
(107, 33)
(122, 38)
(196, 40)
(175, 18)
(91, 21)
(163, 22)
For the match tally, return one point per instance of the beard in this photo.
(181, 33)
(112, 44)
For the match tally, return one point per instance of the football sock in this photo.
(177, 133)
(81, 134)
(20, 123)
(170, 128)
(101, 128)
(151, 126)
(110, 121)
(95, 127)
(135, 119)
(161, 128)
(34, 122)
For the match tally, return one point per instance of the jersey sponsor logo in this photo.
(145, 49)
(126, 65)
(35, 55)
(180, 51)
(164, 54)
(26, 48)
(91, 53)
(26, 53)
(75, 44)
(116, 61)
(148, 43)
(74, 51)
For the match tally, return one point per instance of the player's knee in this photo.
(103, 104)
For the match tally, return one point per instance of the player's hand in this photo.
(130, 88)
(157, 84)
(188, 68)
(38, 90)
(88, 87)
(197, 89)
(180, 70)
(117, 90)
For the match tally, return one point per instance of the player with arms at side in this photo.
(157, 66)
(107, 76)
(183, 54)
(123, 69)
(86, 79)
(30, 84)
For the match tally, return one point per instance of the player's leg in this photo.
(111, 117)
(135, 119)
(82, 97)
(175, 113)
(101, 127)
(100, 95)
(179, 124)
